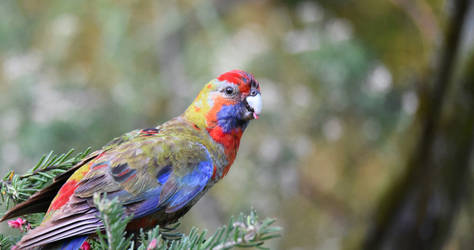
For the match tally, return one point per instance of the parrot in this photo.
(157, 174)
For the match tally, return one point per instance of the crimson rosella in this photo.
(157, 174)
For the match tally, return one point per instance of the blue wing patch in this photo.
(163, 174)
(150, 204)
(177, 192)
(190, 185)
(174, 192)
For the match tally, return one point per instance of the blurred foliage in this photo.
(339, 81)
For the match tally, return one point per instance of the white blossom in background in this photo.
(332, 129)
(123, 93)
(302, 145)
(64, 25)
(62, 32)
(240, 49)
(309, 12)
(301, 96)
(271, 96)
(339, 30)
(409, 102)
(49, 104)
(20, 65)
(168, 20)
(379, 80)
(298, 41)
(270, 148)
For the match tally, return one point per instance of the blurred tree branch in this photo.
(418, 211)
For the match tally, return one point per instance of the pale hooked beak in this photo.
(253, 103)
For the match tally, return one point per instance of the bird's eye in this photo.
(229, 91)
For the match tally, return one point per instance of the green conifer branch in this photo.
(6, 242)
(17, 188)
(245, 231)
(112, 215)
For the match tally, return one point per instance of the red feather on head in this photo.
(241, 78)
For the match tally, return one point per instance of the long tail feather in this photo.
(66, 227)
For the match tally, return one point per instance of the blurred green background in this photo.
(339, 81)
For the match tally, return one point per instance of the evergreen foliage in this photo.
(15, 188)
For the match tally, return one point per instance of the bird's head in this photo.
(228, 102)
